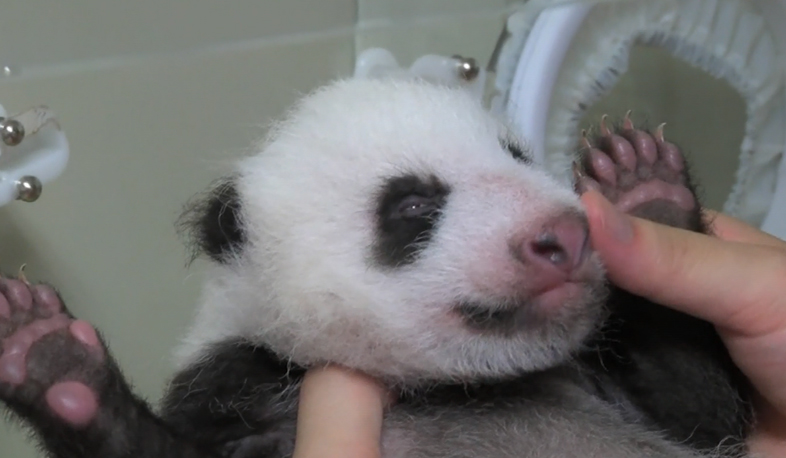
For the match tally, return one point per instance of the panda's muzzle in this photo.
(483, 316)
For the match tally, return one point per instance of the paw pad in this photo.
(13, 361)
(74, 402)
(46, 354)
(640, 172)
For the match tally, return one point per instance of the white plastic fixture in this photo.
(455, 70)
(36, 157)
(538, 67)
(562, 56)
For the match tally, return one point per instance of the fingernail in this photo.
(616, 223)
(607, 218)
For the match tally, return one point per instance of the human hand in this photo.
(340, 415)
(737, 281)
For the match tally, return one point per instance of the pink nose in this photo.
(556, 252)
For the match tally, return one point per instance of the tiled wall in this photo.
(155, 97)
(411, 28)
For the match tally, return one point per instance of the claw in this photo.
(579, 179)
(604, 130)
(582, 183)
(659, 133)
(578, 173)
(627, 124)
(584, 140)
(21, 274)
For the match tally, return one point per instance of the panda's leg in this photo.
(642, 173)
(57, 375)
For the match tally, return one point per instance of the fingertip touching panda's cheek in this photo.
(408, 207)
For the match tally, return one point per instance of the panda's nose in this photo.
(558, 250)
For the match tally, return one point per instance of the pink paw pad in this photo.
(656, 190)
(74, 402)
(17, 293)
(86, 333)
(5, 308)
(635, 168)
(48, 299)
(643, 144)
(603, 166)
(671, 155)
(620, 149)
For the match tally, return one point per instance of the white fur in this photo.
(305, 284)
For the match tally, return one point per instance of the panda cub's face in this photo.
(397, 228)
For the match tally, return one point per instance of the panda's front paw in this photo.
(641, 173)
(50, 363)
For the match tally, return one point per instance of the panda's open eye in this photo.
(414, 206)
(408, 208)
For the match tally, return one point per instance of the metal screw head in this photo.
(29, 188)
(468, 68)
(12, 132)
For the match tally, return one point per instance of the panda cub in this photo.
(395, 227)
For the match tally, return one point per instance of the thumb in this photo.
(726, 283)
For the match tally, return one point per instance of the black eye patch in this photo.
(408, 207)
(517, 152)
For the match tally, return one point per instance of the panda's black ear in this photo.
(212, 223)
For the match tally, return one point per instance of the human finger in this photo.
(699, 275)
(734, 230)
(339, 415)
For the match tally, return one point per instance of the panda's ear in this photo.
(212, 223)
